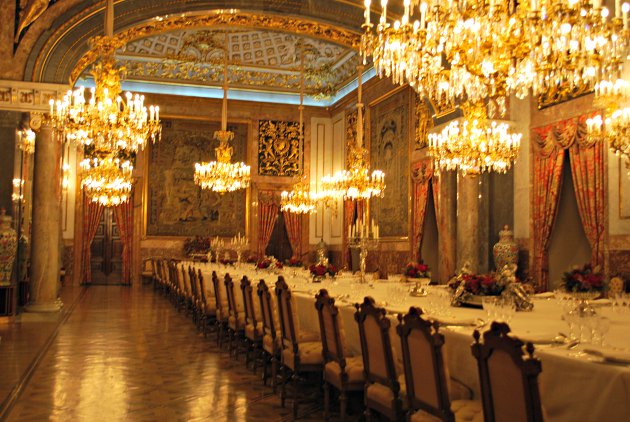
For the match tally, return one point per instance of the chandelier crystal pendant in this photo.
(356, 182)
(475, 144)
(222, 175)
(107, 180)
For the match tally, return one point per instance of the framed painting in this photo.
(389, 137)
(176, 206)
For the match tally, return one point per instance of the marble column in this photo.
(45, 245)
(447, 224)
(467, 222)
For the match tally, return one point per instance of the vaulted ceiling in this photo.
(183, 42)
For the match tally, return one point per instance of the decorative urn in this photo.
(8, 248)
(505, 251)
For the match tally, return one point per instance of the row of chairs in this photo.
(269, 334)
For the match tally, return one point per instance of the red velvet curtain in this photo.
(547, 182)
(293, 223)
(587, 169)
(124, 219)
(92, 213)
(267, 216)
(422, 172)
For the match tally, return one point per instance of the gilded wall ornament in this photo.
(561, 94)
(424, 122)
(351, 134)
(279, 148)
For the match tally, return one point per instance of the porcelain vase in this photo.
(505, 251)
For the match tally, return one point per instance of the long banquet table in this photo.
(574, 386)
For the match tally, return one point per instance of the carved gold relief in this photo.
(559, 95)
(238, 19)
(279, 148)
(424, 122)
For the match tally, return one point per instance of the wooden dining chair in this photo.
(343, 372)
(209, 307)
(299, 357)
(427, 384)
(508, 376)
(236, 320)
(382, 387)
(271, 341)
(253, 325)
(221, 310)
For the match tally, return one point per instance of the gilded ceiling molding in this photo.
(289, 24)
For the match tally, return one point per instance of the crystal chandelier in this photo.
(469, 50)
(222, 175)
(107, 180)
(614, 127)
(356, 182)
(475, 144)
(300, 200)
(105, 119)
(26, 140)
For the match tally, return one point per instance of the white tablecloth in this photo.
(574, 386)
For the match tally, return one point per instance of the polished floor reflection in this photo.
(127, 354)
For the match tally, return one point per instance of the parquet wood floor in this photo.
(127, 354)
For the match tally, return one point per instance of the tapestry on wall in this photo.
(389, 152)
(279, 148)
(178, 207)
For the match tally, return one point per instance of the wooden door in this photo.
(107, 251)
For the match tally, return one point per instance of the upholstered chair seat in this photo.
(236, 322)
(353, 369)
(252, 332)
(309, 353)
(464, 410)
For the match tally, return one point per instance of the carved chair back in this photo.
(328, 314)
(378, 360)
(508, 375)
(266, 310)
(423, 362)
(286, 315)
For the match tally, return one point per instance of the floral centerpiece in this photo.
(479, 284)
(583, 279)
(197, 246)
(268, 262)
(321, 270)
(417, 270)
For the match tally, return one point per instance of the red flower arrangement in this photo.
(479, 285)
(268, 261)
(294, 262)
(320, 270)
(417, 270)
(584, 279)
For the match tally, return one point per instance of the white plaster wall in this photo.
(327, 157)
(618, 190)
